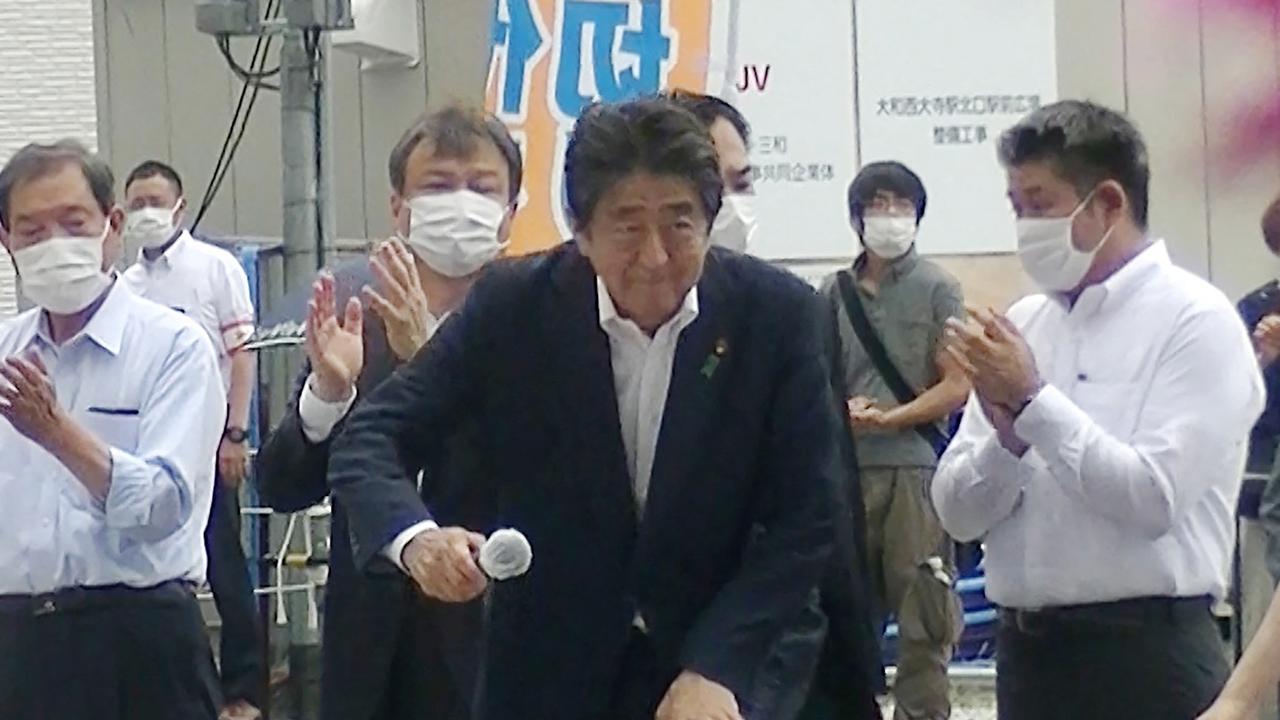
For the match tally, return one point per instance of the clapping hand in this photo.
(996, 358)
(1266, 340)
(335, 345)
(27, 399)
(399, 299)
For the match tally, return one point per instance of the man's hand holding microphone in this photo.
(455, 565)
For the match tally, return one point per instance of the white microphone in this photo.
(506, 554)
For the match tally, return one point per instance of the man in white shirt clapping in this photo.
(1102, 450)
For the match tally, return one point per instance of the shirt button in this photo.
(46, 522)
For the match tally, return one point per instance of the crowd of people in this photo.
(730, 481)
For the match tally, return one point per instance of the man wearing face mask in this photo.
(390, 655)
(1102, 451)
(735, 224)
(110, 409)
(207, 284)
(892, 307)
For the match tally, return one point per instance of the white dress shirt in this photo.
(641, 377)
(205, 283)
(1138, 442)
(144, 381)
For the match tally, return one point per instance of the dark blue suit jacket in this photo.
(737, 529)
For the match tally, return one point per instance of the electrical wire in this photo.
(248, 92)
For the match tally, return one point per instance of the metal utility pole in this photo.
(300, 158)
(302, 27)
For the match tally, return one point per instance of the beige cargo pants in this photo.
(912, 564)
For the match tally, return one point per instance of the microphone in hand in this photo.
(506, 554)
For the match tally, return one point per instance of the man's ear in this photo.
(399, 211)
(1112, 199)
(582, 239)
(179, 212)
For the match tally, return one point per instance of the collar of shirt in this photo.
(106, 326)
(611, 321)
(897, 267)
(170, 254)
(1122, 284)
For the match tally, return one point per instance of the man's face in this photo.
(154, 192)
(1037, 191)
(647, 240)
(484, 172)
(735, 163)
(60, 203)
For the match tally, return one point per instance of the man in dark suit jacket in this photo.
(657, 420)
(851, 670)
(389, 652)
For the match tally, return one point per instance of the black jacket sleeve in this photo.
(402, 427)
(851, 671)
(290, 469)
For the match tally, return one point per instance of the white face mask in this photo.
(889, 236)
(149, 227)
(1048, 254)
(64, 273)
(735, 223)
(455, 233)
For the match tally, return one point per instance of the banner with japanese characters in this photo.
(938, 82)
(792, 76)
(551, 58)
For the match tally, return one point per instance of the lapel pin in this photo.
(713, 360)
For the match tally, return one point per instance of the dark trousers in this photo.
(240, 651)
(420, 685)
(107, 654)
(1156, 658)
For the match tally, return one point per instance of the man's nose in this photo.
(652, 252)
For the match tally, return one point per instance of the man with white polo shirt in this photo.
(1102, 450)
(207, 284)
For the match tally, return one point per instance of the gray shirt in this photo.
(908, 312)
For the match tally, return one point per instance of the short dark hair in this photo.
(889, 176)
(709, 108)
(453, 132)
(1086, 144)
(152, 168)
(1271, 225)
(653, 134)
(36, 160)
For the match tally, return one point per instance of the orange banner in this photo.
(551, 58)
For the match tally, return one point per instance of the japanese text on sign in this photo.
(958, 105)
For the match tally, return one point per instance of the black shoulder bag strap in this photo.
(880, 358)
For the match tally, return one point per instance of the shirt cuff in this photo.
(995, 460)
(1049, 421)
(319, 417)
(395, 548)
(142, 496)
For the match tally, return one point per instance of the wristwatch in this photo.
(1026, 402)
(235, 434)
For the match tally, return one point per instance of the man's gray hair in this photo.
(37, 160)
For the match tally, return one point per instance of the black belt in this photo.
(88, 598)
(1133, 612)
